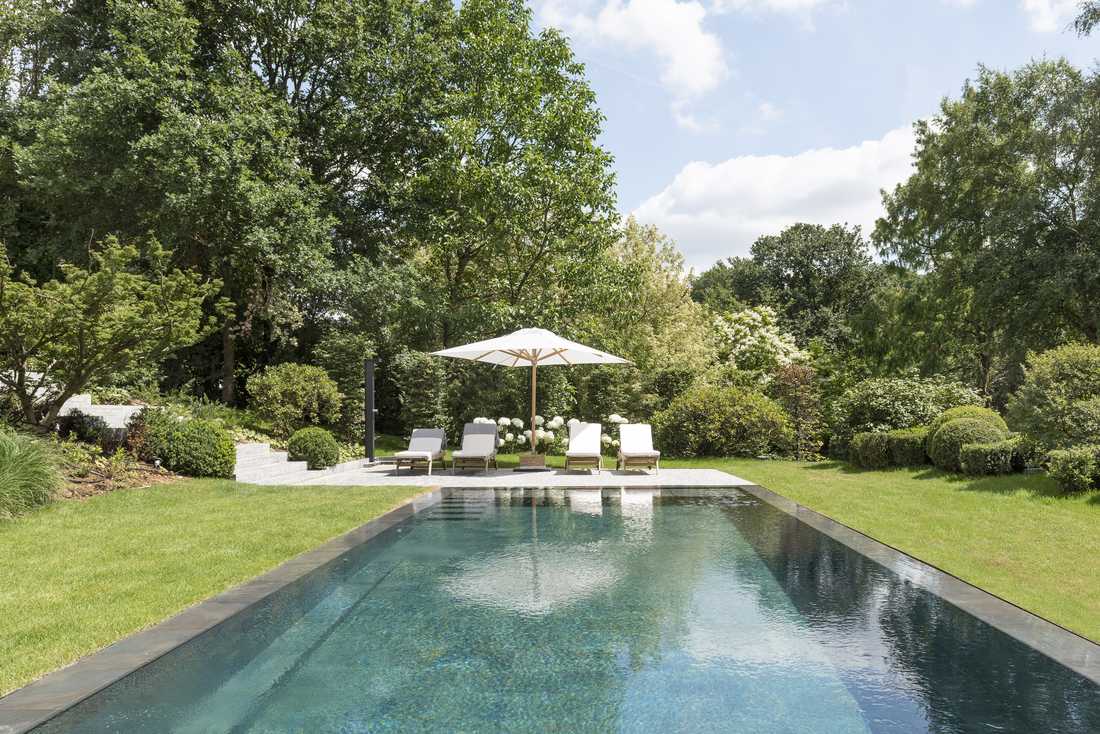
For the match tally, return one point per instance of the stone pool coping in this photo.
(54, 693)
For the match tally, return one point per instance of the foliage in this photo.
(795, 387)
(28, 474)
(907, 446)
(946, 443)
(83, 427)
(293, 396)
(315, 446)
(421, 384)
(882, 404)
(149, 433)
(978, 459)
(668, 383)
(711, 421)
(59, 336)
(1058, 405)
(1076, 469)
(1088, 17)
(991, 417)
(752, 340)
(201, 448)
(871, 450)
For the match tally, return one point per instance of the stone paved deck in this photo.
(385, 474)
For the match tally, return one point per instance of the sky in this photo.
(730, 119)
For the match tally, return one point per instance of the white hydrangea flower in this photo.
(574, 421)
(504, 422)
(614, 417)
(521, 440)
(517, 423)
(615, 443)
(509, 437)
(527, 432)
(540, 434)
(539, 420)
(605, 440)
(500, 442)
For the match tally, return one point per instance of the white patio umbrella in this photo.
(534, 348)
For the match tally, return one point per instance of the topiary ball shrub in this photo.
(316, 446)
(968, 411)
(907, 446)
(717, 421)
(871, 450)
(945, 444)
(202, 449)
(1076, 469)
(294, 396)
(28, 474)
(980, 459)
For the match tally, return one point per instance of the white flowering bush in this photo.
(751, 340)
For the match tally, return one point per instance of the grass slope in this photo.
(1015, 536)
(78, 576)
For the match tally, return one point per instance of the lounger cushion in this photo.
(463, 454)
(582, 455)
(640, 454)
(425, 455)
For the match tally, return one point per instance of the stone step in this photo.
(251, 449)
(254, 461)
(272, 474)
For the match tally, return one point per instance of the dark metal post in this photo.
(368, 409)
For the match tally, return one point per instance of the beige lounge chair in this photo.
(584, 447)
(479, 447)
(636, 448)
(425, 448)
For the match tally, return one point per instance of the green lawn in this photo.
(77, 576)
(1015, 536)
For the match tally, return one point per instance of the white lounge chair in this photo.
(636, 447)
(479, 447)
(584, 447)
(425, 448)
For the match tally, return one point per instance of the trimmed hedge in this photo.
(999, 457)
(907, 446)
(197, 448)
(992, 417)
(1076, 469)
(871, 450)
(717, 421)
(316, 446)
(946, 443)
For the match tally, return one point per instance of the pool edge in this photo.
(57, 691)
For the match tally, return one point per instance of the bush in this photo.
(294, 396)
(714, 421)
(871, 450)
(1076, 469)
(968, 411)
(83, 427)
(420, 379)
(149, 434)
(945, 444)
(315, 446)
(1058, 404)
(907, 446)
(796, 388)
(28, 474)
(202, 449)
(883, 404)
(999, 457)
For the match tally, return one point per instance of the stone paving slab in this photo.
(385, 474)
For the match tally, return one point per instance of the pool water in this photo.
(576, 611)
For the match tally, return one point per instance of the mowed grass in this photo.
(1015, 536)
(77, 576)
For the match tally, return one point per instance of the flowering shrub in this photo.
(751, 340)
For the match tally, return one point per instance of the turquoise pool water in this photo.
(572, 611)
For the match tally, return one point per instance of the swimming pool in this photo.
(582, 610)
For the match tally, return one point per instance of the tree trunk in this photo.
(229, 363)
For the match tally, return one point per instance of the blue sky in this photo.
(734, 118)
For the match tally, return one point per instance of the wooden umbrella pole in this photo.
(534, 382)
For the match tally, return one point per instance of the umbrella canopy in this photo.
(528, 347)
(532, 348)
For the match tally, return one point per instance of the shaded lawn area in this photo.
(1015, 536)
(77, 576)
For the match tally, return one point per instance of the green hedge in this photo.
(28, 474)
(907, 446)
(945, 444)
(1076, 469)
(871, 450)
(294, 396)
(1058, 404)
(196, 448)
(999, 457)
(316, 446)
(991, 417)
(721, 421)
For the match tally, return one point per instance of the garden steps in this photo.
(117, 417)
(258, 464)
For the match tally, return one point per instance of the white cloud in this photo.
(691, 58)
(794, 7)
(1050, 15)
(716, 210)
